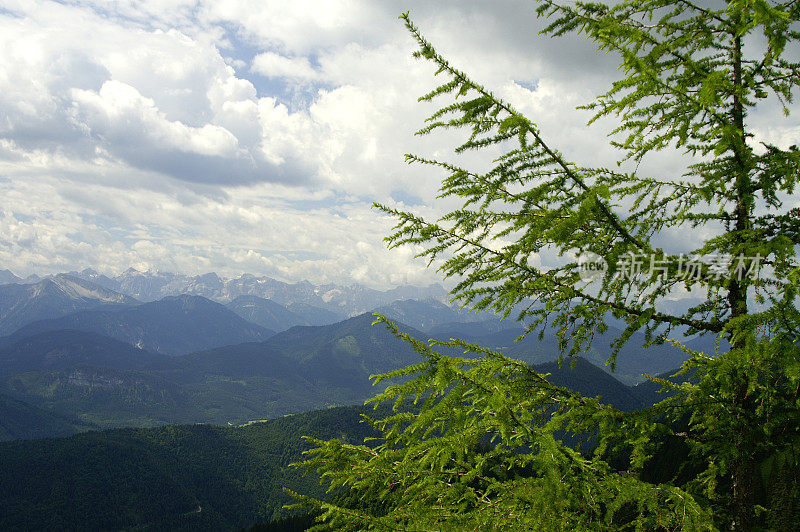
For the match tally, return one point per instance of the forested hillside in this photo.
(166, 478)
(19, 420)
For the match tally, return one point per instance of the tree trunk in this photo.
(743, 473)
(744, 494)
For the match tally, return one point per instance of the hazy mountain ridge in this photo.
(429, 313)
(632, 361)
(347, 301)
(174, 325)
(63, 349)
(54, 297)
(111, 384)
(108, 364)
(252, 318)
(271, 315)
(8, 277)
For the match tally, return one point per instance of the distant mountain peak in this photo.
(53, 297)
(8, 277)
(78, 288)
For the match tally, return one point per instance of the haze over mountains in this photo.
(175, 325)
(345, 301)
(83, 350)
(272, 315)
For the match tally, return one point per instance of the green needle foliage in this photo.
(490, 444)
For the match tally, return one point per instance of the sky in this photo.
(253, 136)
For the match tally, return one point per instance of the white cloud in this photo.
(274, 65)
(118, 114)
(301, 26)
(199, 134)
(266, 229)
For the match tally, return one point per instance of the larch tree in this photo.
(484, 446)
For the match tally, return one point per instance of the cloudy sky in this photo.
(253, 135)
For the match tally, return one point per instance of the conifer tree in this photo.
(484, 446)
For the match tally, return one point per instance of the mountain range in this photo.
(174, 325)
(8, 277)
(431, 314)
(104, 383)
(272, 315)
(58, 296)
(62, 296)
(77, 349)
(343, 301)
(110, 383)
